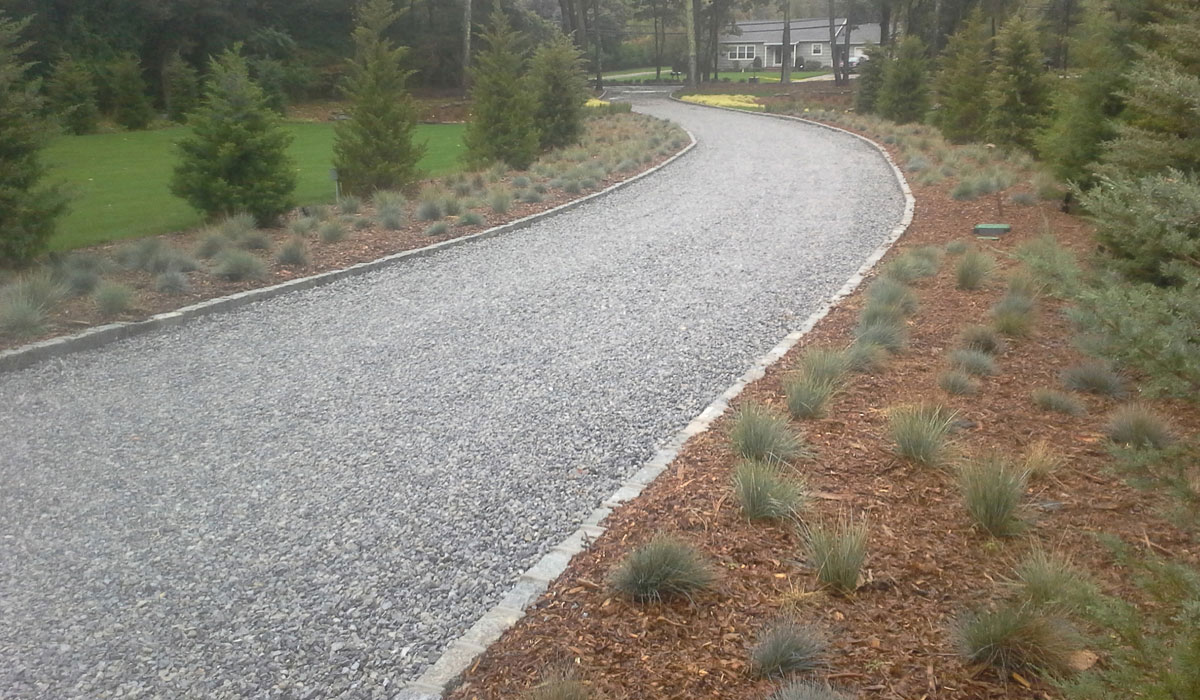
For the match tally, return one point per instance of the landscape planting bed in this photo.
(926, 564)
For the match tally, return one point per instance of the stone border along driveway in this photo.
(445, 673)
(29, 355)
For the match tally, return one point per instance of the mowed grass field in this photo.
(119, 183)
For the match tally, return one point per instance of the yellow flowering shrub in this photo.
(734, 101)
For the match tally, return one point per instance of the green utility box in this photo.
(992, 230)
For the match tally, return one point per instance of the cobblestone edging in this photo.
(28, 355)
(445, 673)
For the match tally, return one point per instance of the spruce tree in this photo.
(181, 88)
(72, 95)
(502, 126)
(374, 149)
(1161, 124)
(560, 88)
(131, 106)
(1018, 98)
(870, 79)
(27, 210)
(235, 158)
(962, 81)
(904, 95)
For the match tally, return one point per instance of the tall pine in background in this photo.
(904, 95)
(235, 159)
(962, 80)
(502, 126)
(72, 96)
(870, 79)
(27, 209)
(131, 106)
(560, 88)
(1018, 97)
(374, 149)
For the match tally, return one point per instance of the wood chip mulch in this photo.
(926, 564)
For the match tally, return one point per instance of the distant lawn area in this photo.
(765, 76)
(118, 183)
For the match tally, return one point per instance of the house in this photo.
(809, 38)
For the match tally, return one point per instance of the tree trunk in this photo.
(833, 53)
(466, 59)
(568, 20)
(599, 48)
(657, 50)
(691, 32)
(785, 74)
(846, 44)
(885, 23)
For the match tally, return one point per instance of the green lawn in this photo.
(767, 77)
(118, 183)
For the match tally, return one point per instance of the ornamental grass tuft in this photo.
(1059, 402)
(806, 690)
(837, 550)
(666, 567)
(921, 432)
(1093, 378)
(992, 490)
(974, 362)
(788, 647)
(973, 270)
(763, 434)
(1017, 637)
(765, 492)
(1135, 425)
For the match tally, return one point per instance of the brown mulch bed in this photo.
(926, 564)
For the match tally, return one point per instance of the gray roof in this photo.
(864, 34)
(771, 31)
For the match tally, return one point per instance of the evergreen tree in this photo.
(1161, 124)
(374, 149)
(1019, 96)
(870, 79)
(962, 81)
(1085, 109)
(181, 88)
(502, 127)
(904, 95)
(131, 106)
(72, 96)
(235, 159)
(560, 88)
(27, 211)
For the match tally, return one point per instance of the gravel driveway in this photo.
(308, 497)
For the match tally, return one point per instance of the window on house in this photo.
(816, 49)
(741, 52)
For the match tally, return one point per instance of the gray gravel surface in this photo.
(310, 496)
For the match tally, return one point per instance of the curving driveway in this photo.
(308, 497)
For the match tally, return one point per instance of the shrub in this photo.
(889, 292)
(826, 364)
(1051, 264)
(921, 432)
(964, 190)
(571, 187)
(1024, 199)
(788, 647)
(235, 158)
(957, 247)
(71, 90)
(20, 316)
(913, 265)
(807, 395)
(973, 362)
(349, 204)
(211, 244)
(132, 108)
(1045, 580)
(1016, 637)
(531, 197)
(760, 433)
(559, 89)
(503, 127)
(238, 266)
(1137, 426)
(992, 491)
(1018, 95)
(438, 228)
(1057, 401)
(837, 551)
(172, 282)
(27, 210)
(806, 690)
(973, 270)
(392, 217)
(665, 567)
(429, 210)
(904, 92)
(957, 383)
(962, 81)
(1013, 315)
(181, 88)
(765, 492)
(81, 282)
(303, 226)
(1093, 378)
(374, 149)
(113, 299)
(889, 336)
(1041, 460)
(452, 206)
(865, 358)
(881, 314)
(331, 231)
(255, 240)
(521, 182)
(294, 253)
(471, 218)
(500, 200)
(981, 339)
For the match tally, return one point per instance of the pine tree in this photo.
(181, 88)
(72, 95)
(1161, 124)
(904, 95)
(560, 88)
(962, 81)
(870, 79)
(1019, 96)
(374, 149)
(27, 211)
(131, 106)
(235, 159)
(1085, 109)
(502, 127)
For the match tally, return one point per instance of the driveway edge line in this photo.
(28, 355)
(446, 673)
